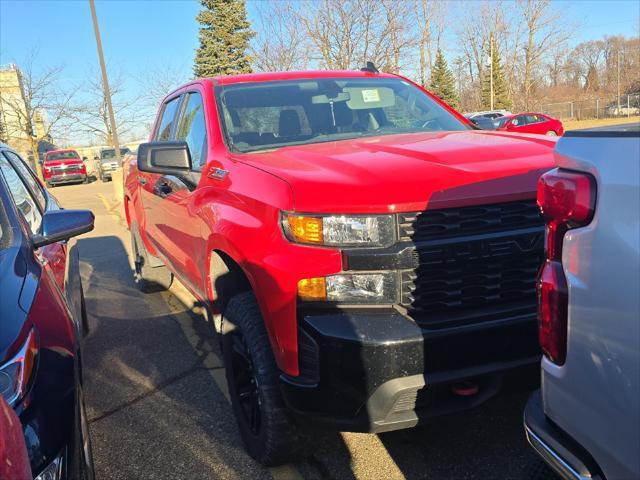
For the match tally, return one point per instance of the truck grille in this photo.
(455, 222)
(66, 169)
(473, 264)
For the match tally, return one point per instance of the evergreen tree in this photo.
(224, 38)
(443, 83)
(501, 98)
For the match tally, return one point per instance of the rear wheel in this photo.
(268, 433)
(551, 133)
(148, 278)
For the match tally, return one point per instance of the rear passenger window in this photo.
(21, 196)
(28, 177)
(192, 129)
(163, 133)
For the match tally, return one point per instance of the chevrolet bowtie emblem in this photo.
(218, 174)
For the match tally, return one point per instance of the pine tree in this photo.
(501, 98)
(224, 38)
(443, 83)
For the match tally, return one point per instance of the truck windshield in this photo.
(111, 153)
(62, 155)
(268, 115)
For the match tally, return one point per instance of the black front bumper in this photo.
(378, 370)
(561, 452)
(67, 178)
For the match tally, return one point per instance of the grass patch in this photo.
(602, 122)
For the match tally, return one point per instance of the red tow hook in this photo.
(466, 388)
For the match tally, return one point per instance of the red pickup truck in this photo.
(63, 166)
(373, 256)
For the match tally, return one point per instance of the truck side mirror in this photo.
(168, 158)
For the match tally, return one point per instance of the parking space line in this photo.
(110, 208)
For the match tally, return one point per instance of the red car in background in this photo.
(63, 166)
(530, 123)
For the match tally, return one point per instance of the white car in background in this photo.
(491, 114)
(585, 421)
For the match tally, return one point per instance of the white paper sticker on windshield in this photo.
(369, 96)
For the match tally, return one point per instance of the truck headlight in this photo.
(340, 230)
(357, 288)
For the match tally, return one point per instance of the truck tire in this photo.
(149, 278)
(267, 431)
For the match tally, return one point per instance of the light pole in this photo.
(491, 69)
(619, 54)
(105, 83)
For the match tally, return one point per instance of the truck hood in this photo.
(409, 172)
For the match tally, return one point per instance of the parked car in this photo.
(585, 420)
(42, 318)
(530, 123)
(484, 123)
(491, 114)
(63, 166)
(108, 162)
(14, 461)
(356, 235)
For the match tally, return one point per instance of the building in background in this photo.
(14, 113)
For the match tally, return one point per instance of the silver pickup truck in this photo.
(585, 420)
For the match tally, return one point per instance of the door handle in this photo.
(142, 180)
(163, 188)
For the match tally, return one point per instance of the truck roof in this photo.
(295, 75)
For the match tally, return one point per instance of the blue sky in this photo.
(147, 34)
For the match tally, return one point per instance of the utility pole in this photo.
(618, 111)
(105, 83)
(491, 68)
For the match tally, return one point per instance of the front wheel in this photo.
(267, 431)
(551, 133)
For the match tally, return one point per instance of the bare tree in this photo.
(589, 55)
(543, 30)
(347, 33)
(430, 18)
(43, 107)
(280, 43)
(156, 82)
(92, 115)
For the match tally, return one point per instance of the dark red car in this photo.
(42, 321)
(63, 166)
(530, 123)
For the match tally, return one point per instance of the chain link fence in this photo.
(605, 107)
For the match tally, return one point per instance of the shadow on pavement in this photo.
(154, 409)
(156, 412)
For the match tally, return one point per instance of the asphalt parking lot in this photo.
(156, 398)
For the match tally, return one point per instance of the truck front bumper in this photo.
(561, 452)
(377, 370)
(66, 178)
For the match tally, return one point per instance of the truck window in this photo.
(192, 129)
(163, 133)
(267, 115)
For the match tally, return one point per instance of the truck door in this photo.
(176, 218)
(146, 203)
